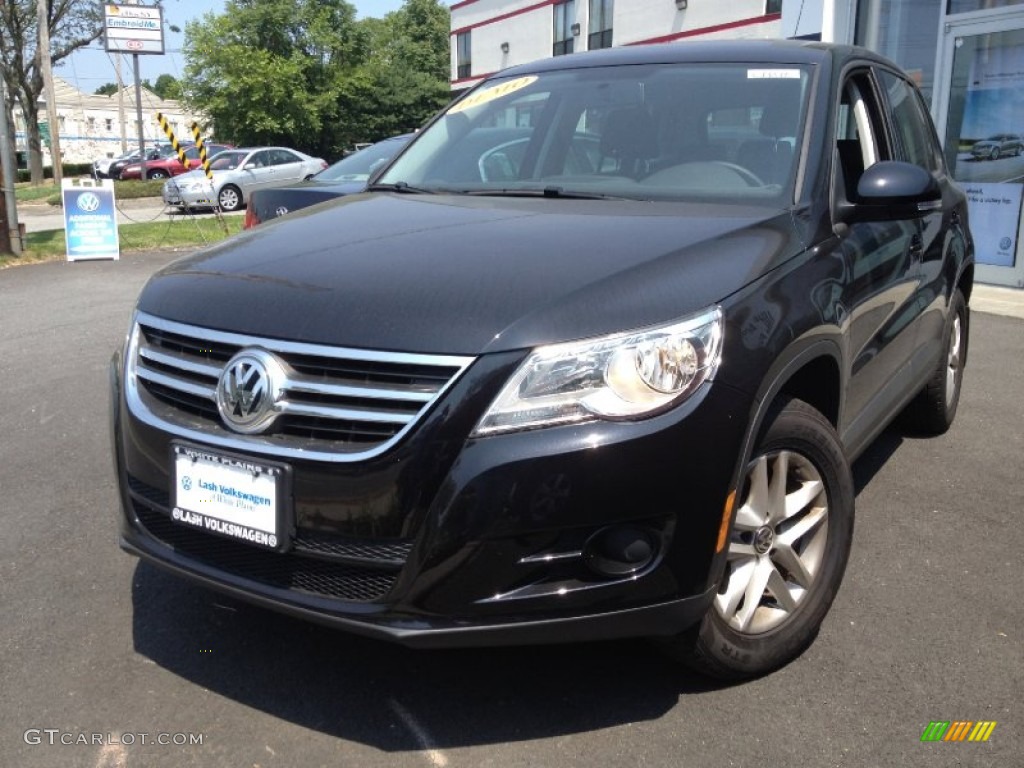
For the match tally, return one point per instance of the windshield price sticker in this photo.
(231, 497)
(492, 93)
(773, 74)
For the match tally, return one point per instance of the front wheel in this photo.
(787, 550)
(157, 174)
(230, 198)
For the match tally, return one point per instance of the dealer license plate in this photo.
(229, 496)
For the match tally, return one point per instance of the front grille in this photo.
(286, 570)
(331, 403)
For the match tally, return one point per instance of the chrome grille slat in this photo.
(336, 404)
(184, 363)
(173, 382)
(299, 383)
(352, 414)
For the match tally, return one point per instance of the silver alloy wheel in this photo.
(953, 361)
(777, 544)
(228, 199)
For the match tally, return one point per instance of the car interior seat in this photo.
(771, 157)
(631, 140)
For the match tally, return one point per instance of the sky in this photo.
(92, 67)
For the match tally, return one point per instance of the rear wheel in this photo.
(230, 198)
(994, 154)
(157, 174)
(787, 550)
(934, 408)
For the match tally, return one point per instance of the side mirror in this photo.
(892, 190)
(894, 182)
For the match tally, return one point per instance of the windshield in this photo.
(359, 165)
(650, 132)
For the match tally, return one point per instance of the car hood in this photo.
(468, 275)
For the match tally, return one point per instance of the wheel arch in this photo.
(809, 372)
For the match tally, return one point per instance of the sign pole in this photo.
(51, 97)
(138, 115)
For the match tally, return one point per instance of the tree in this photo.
(167, 87)
(268, 71)
(306, 74)
(107, 89)
(406, 78)
(72, 24)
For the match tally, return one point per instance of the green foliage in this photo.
(306, 74)
(167, 87)
(107, 89)
(148, 236)
(68, 169)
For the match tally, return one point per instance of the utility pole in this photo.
(120, 102)
(51, 99)
(10, 232)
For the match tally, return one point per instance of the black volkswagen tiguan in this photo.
(589, 359)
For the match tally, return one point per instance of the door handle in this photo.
(916, 246)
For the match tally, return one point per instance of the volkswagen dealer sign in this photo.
(90, 220)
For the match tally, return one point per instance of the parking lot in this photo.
(927, 626)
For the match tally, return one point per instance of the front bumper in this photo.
(447, 541)
(181, 198)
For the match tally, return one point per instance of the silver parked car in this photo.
(996, 146)
(237, 173)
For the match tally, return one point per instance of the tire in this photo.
(994, 154)
(933, 410)
(789, 552)
(229, 198)
(156, 174)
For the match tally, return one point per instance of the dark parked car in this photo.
(170, 164)
(583, 362)
(997, 146)
(345, 177)
(114, 168)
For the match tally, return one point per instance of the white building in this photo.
(90, 127)
(490, 35)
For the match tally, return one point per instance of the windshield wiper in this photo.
(400, 187)
(545, 192)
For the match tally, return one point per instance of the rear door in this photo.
(288, 167)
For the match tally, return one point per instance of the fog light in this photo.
(620, 550)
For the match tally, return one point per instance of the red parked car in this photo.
(171, 165)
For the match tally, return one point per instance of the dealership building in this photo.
(966, 55)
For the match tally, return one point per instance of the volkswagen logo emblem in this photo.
(249, 389)
(88, 202)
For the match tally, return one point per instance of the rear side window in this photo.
(911, 122)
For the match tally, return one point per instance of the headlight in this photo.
(625, 376)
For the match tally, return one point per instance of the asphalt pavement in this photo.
(106, 653)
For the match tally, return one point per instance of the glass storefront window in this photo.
(966, 6)
(905, 31)
(984, 143)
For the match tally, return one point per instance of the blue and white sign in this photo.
(90, 219)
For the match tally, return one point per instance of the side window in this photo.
(260, 160)
(912, 123)
(860, 138)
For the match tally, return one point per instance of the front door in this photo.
(980, 111)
